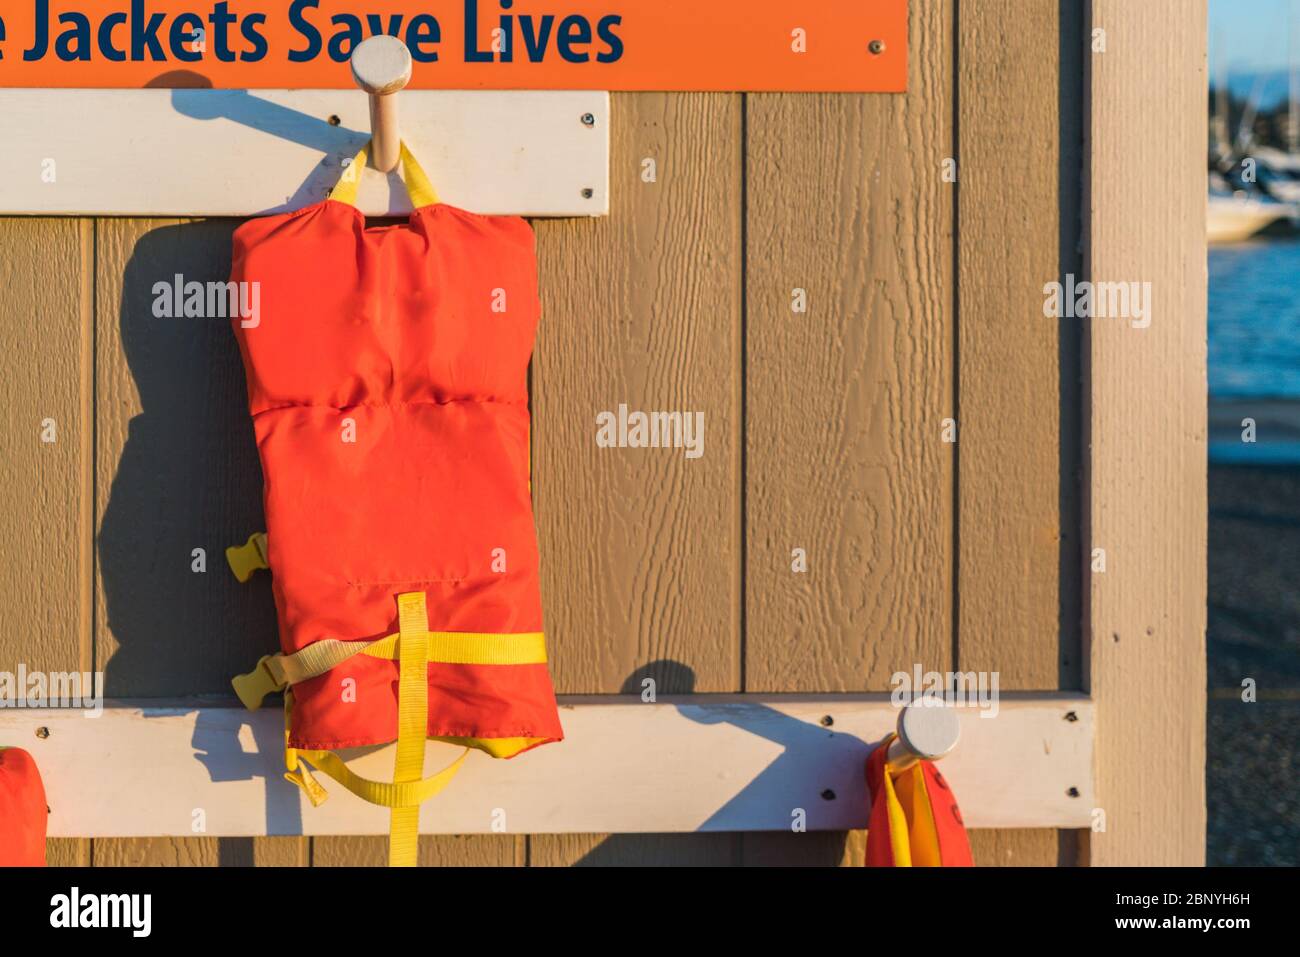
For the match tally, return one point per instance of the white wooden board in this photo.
(706, 763)
(241, 153)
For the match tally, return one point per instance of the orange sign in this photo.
(824, 45)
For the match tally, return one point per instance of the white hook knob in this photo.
(381, 65)
(926, 730)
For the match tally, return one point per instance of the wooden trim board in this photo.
(700, 763)
(242, 153)
(1145, 483)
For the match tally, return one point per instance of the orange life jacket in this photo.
(914, 819)
(23, 814)
(387, 381)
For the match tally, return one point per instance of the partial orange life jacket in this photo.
(914, 820)
(23, 815)
(387, 380)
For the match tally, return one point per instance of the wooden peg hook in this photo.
(381, 66)
(926, 731)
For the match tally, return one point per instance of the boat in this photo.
(1234, 215)
(1246, 198)
(1278, 173)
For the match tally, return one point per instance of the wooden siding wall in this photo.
(823, 429)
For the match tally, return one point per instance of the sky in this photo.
(1251, 35)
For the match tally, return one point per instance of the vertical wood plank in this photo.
(67, 852)
(434, 851)
(1017, 382)
(809, 849)
(280, 851)
(46, 333)
(844, 403)
(1017, 847)
(633, 850)
(201, 852)
(177, 470)
(46, 270)
(1010, 382)
(157, 852)
(1146, 482)
(641, 548)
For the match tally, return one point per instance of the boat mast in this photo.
(1219, 124)
(1293, 95)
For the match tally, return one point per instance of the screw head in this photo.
(42, 732)
(588, 119)
(588, 192)
(827, 721)
(828, 795)
(1073, 792)
(1071, 716)
(876, 47)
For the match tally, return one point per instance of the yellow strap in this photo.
(383, 793)
(899, 836)
(417, 183)
(273, 672)
(445, 647)
(418, 186)
(249, 557)
(923, 835)
(412, 724)
(297, 773)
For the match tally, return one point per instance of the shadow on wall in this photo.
(820, 848)
(281, 122)
(184, 476)
(192, 96)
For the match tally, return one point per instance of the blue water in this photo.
(1255, 319)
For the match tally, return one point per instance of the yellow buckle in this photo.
(249, 557)
(310, 786)
(257, 684)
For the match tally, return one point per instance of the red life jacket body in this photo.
(387, 381)
(23, 815)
